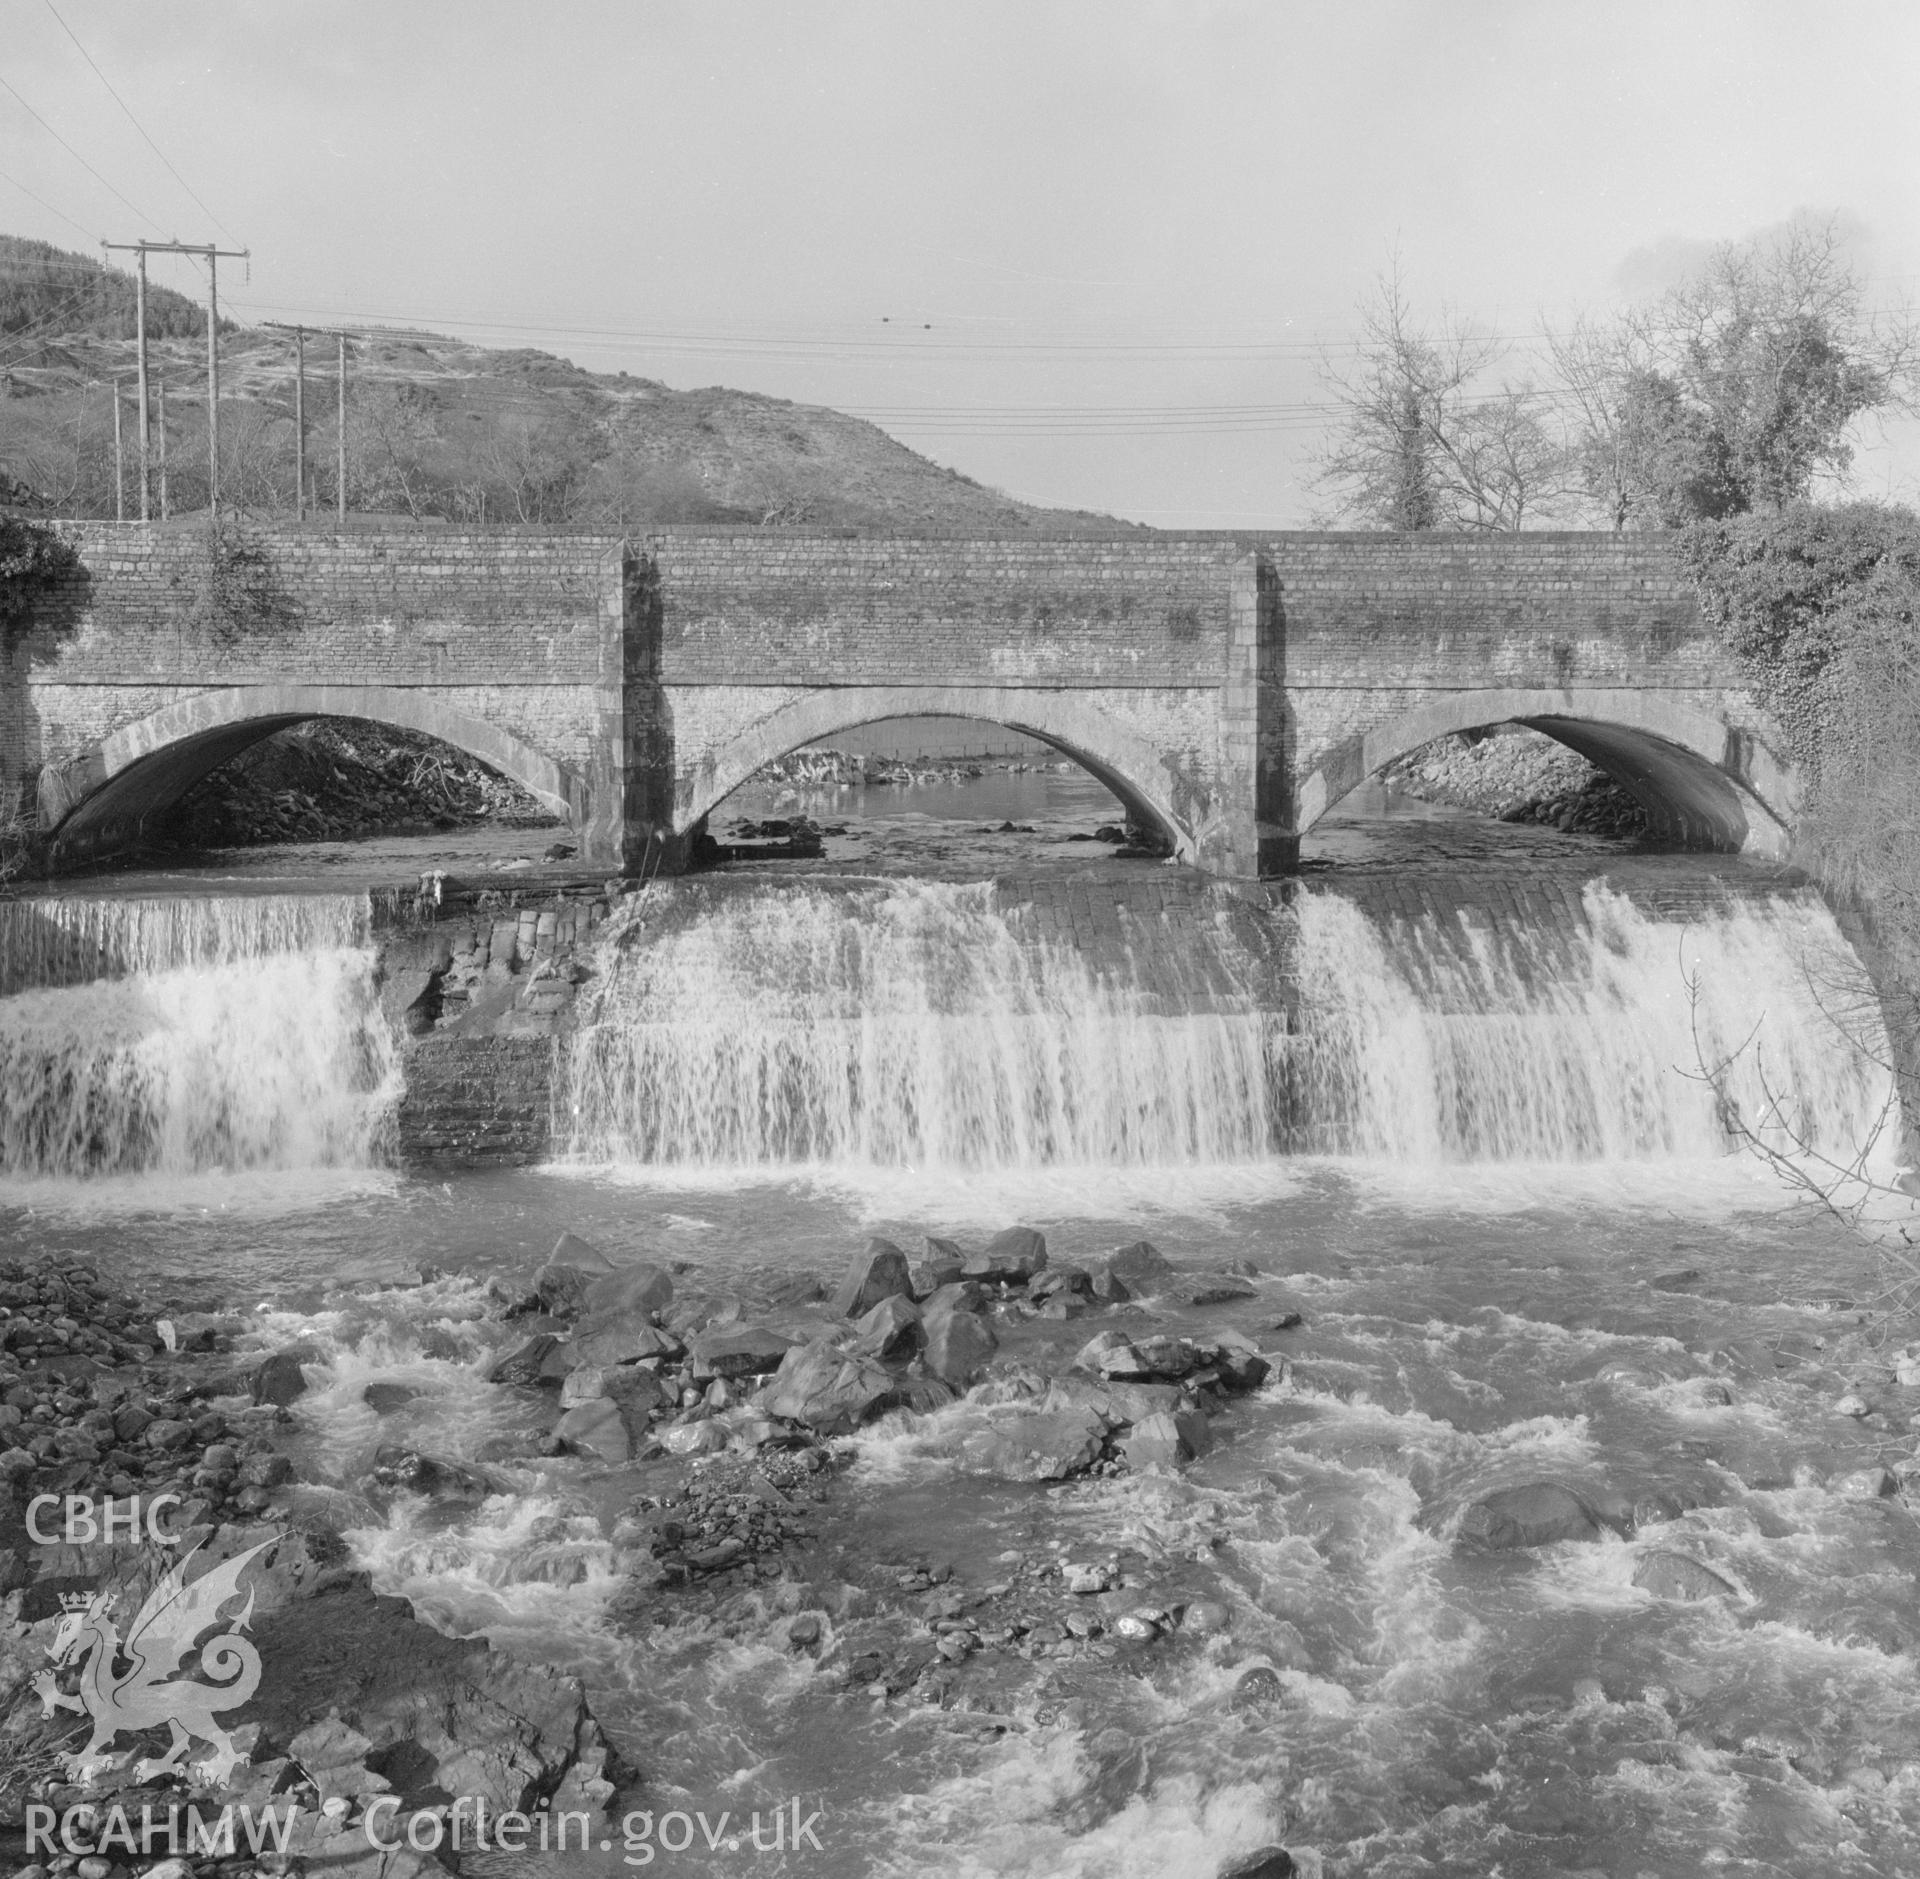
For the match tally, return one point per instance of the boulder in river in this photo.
(878, 1271)
(624, 1337)
(1121, 1403)
(960, 1344)
(641, 1287)
(1264, 1862)
(541, 1359)
(1038, 1445)
(596, 1428)
(891, 1332)
(1239, 1361)
(573, 1265)
(1167, 1439)
(961, 1295)
(828, 1389)
(1167, 1359)
(397, 1466)
(1092, 1355)
(1540, 1513)
(1674, 1575)
(924, 1395)
(1138, 1269)
(1258, 1688)
(941, 1264)
(280, 1379)
(749, 1351)
(1011, 1257)
(1207, 1288)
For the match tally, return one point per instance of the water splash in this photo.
(915, 1024)
(1469, 1041)
(51, 940)
(233, 1035)
(922, 1026)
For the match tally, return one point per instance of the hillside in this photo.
(49, 289)
(436, 428)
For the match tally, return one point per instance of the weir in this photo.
(1440, 1227)
(182, 1036)
(754, 1025)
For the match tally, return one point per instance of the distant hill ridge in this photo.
(47, 288)
(437, 427)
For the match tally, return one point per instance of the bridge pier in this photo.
(1228, 689)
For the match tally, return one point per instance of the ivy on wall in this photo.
(33, 559)
(238, 590)
(1803, 596)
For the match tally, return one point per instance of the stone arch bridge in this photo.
(1229, 688)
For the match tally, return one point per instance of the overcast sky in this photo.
(1083, 252)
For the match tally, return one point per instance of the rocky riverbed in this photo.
(733, 1429)
(133, 1440)
(728, 1422)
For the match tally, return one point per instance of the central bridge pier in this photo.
(1229, 689)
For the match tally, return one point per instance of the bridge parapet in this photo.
(1228, 687)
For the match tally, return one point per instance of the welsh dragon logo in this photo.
(128, 1684)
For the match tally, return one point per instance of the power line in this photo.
(141, 128)
(72, 152)
(44, 203)
(36, 330)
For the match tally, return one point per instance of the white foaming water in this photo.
(906, 1025)
(1464, 1042)
(920, 1027)
(223, 1035)
(56, 941)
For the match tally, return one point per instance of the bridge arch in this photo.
(1130, 765)
(101, 798)
(1704, 782)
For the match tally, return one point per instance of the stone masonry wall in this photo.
(420, 607)
(886, 611)
(1489, 610)
(506, 625)
(1226, 677)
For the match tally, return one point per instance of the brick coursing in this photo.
(1219, 669)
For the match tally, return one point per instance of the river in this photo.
(1465, 1149)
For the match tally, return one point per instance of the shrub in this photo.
(33, 558)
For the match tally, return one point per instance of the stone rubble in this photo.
(106, 1408)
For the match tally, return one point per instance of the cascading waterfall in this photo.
(236, 1033)
(913, 1024)
(1435, 1041)
(72, 942)
(918, 1024)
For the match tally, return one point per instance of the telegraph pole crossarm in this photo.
(340, 334)
(214, 255)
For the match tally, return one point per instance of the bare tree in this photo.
(60, 450)
(389, 441)
(539, 463)
(1426, 441)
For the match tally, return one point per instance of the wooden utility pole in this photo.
(340, 424)
(299, 424)
(213, 256)
(119, 461)
(140, 327)
(160, 424)
(213, 383)
(339, 335)
(300, 411)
